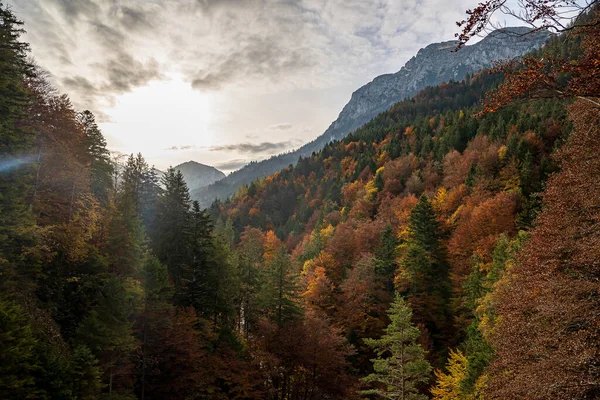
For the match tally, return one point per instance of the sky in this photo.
(224, 82)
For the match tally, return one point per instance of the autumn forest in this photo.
(448, 249)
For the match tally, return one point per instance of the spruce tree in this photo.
(278, 292)
(400, 368)
(424, 272)
(173, 241)
(18, 360)
(98, 157)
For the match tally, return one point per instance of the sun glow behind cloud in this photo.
(224, 82)
(161, 116)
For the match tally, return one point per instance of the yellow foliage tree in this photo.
(448, 386)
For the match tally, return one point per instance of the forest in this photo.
(448, 249)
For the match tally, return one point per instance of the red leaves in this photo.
(547, 336)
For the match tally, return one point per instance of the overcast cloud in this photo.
(307, 54)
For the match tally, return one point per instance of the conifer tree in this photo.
(278, 292)
(202, 249)
(400, 367)
(98, 157)
(18, 360)
(16, 155)
(424, 272)
(173, 241)
(107, 332)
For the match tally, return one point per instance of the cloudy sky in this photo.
(224, 82)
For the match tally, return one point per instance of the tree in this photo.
(86, 374)
(400, 367)
(555, 15)
(107, 332)
(250, 252)
(18, 360)
(278, 293)
(98, 157)
(448, 385)
(551, 74)
(545, 336)
(423, 273)
(173, 241)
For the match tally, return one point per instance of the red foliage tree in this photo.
(546, 339)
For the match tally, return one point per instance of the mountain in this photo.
(431, 66)
(198, 175)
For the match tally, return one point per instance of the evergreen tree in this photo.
(98, 157)
(424, 272)
(18, 360)
(107, 332)
(17, 235)
(400, 367)
(386, 255)
(197, 285)
(173, 241)
(278, 292)
(86, 374)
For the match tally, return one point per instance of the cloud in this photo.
(281, 127)
(262, 45)
(232, 165)
(255, 148)
(124, 73)
(176, 148)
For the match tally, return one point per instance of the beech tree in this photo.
(448, 385)
(545, 336)
(548, 75)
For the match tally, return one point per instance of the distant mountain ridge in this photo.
(198, 175)
(432, 65)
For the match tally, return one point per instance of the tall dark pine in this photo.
(17, 152)
(278, 295)
(173, 241)
(98, 157)
(197, 285)
(424, 273)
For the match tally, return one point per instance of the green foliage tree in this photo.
(278, 298)
(98, 157)
(400, 368)
(86, 373)
(174, 235)
(18, 360)
(424, 272)
(107, 332)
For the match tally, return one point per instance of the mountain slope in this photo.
(198, 175)
(432, 65)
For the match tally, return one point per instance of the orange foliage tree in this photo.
(548, 305)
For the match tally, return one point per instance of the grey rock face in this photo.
(431, 66)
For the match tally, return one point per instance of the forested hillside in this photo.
(440, 251)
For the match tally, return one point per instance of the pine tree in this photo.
(17, 357)
(424, 272)
(17, 152)
(107, 332)
(197, 285)
(86, 374)
(98, 157)
(278, 292)
(400, 367)
(173, 241)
